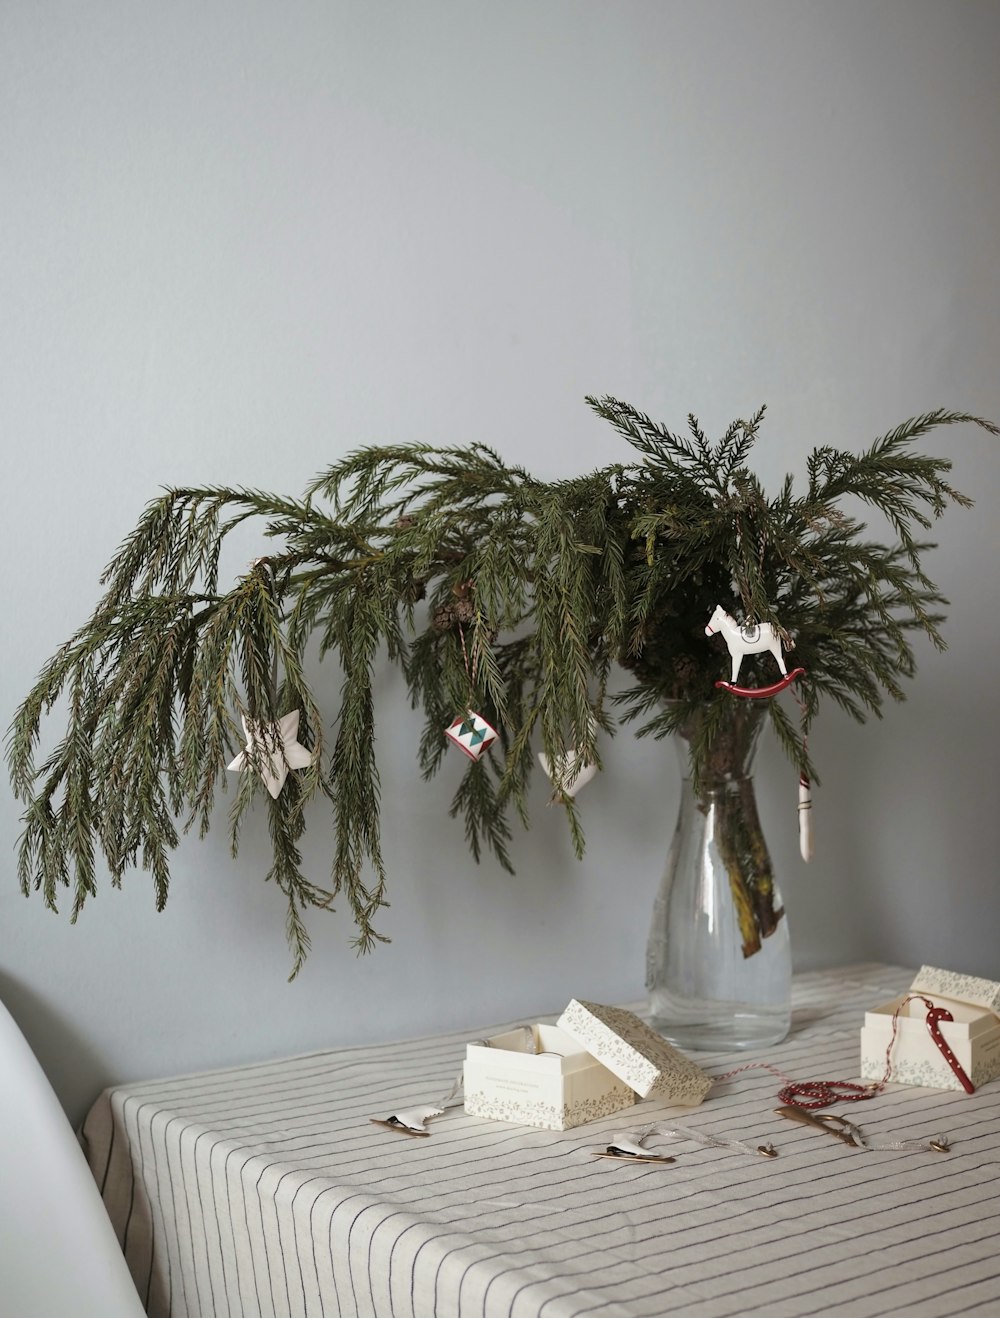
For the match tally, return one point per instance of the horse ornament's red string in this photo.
(811, 1094)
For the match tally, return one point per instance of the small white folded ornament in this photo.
(624, 1144)
(568, 773)
(414, 1120)
(630, 1144)
(411, 1122)
(415, 1117)
(276, 749)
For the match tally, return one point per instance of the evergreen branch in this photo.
(401, 554)
(484, 822)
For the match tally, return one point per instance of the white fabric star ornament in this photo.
(277, 750)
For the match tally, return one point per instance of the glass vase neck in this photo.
(732, 731)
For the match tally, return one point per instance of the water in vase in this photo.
(718, 962)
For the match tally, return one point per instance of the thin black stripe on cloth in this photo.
(263, 1191)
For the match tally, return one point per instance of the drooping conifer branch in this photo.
(489, 589)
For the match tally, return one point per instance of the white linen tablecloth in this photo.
(264, 1190)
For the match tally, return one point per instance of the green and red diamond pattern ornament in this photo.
(471, 734)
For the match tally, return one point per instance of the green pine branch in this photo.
(490, 590)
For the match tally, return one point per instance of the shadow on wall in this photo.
(929, 888)
(71, 1066)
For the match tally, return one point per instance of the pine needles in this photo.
(489, 590)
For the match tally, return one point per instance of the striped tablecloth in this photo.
(264, 1190)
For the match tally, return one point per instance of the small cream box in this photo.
(973, 1036)
(590, 1064)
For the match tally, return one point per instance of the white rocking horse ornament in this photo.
(755, 639)
(749, 639)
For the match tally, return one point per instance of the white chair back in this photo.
(58, 1252)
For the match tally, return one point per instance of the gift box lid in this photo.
(634, 1052)
(960, 988)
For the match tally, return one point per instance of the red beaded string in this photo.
(824, 1093)
(810, 1093)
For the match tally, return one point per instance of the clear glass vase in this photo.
(718, 962)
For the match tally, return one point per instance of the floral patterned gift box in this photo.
(591, 1063)
(973, 1036)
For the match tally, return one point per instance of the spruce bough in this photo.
(489, 589)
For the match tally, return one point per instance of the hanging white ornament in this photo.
(273, 749)
(571, 771)
(568, 773)
(805, 819)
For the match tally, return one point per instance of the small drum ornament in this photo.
(471, 734)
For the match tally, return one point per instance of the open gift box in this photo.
(973, 1036)
(591, 1063)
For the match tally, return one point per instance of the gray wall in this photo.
(241, 238)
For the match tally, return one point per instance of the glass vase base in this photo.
(720, 1027)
